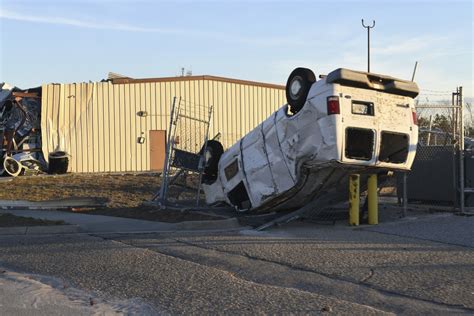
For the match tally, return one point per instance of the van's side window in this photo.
(231, 170)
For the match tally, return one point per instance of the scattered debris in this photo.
(23, 164)
(20, 140)
(20, 135)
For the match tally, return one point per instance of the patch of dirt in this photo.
(125, 194)
(10, 220)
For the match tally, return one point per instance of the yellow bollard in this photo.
(373, 199)
(354, 180)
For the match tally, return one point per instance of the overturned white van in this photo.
(347, 122)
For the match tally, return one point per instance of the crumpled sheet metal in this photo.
(23, 164)
(66, 118)
(31, 117)
(272, 152)
(14, 118)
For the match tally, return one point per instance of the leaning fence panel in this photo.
(186, 145)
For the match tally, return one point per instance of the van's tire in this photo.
(214, 151)
(58, 162)
(297, 88)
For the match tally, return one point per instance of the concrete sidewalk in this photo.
(444, 228)
(40, 230)
(111, 224)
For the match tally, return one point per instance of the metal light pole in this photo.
(461, 149)
(368, 41)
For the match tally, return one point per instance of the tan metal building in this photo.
(99, 126)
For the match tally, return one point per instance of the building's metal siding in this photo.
(98, 125)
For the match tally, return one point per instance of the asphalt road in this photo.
(297, 269)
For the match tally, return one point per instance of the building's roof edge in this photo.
(204, 77)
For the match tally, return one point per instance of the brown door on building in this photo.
(157, 149)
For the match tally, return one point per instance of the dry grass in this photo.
(121, 191)
(125, 194)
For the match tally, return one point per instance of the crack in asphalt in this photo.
(333, 277)
(418, 238)
(367, 286)
(367, 278)
(236, 275)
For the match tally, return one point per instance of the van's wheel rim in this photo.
(296, 87)
(207, 156)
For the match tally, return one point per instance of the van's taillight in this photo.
(333, 105)
(415, 119)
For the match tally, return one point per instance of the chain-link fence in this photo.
(192, 126)
(442, 175)
(434, 176)
(437, 177)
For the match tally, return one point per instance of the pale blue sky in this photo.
(72, 41)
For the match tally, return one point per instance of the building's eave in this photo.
(191, 78)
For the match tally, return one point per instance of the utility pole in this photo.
(458, 135)
(461, 148)
(368, 41)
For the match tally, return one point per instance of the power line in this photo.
(437, 91)
(435, 94)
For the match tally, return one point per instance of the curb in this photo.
(203, 225)
(40, 230)
(61, 204)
